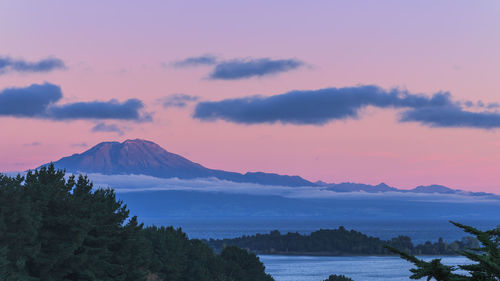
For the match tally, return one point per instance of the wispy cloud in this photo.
(319, 107)
(196, 61)
(108, 128)
(235, 69)
(8, 64)
(177, 100)
(40, 101)
(35, 143)
(81, 144)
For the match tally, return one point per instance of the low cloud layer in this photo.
(40, 101)
(142, 183)
(177, 100)
(241, 69)
(8, 64)
(319, 107)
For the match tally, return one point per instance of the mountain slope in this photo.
(147, 158)
(142, 157)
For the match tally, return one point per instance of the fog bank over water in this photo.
(142, 183)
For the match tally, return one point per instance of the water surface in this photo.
(419, 230)
(305, 268)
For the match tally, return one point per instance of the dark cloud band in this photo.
(318, 107)
(241, 69)
(452, 117)
(128, 110)
(39, 101)
(31, 101)
(315, 107)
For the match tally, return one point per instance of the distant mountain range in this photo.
(382, 187)
(142, 157)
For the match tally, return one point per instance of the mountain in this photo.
(433, 189)
(382, 187)
(358, 187)
(148, 158)
(142, 157)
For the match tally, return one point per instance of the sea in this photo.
(318, 268)
(305, 268)
(419, 231)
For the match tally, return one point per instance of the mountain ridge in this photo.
(137, 156)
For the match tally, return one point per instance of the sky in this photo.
(401, 92)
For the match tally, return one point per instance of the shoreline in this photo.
(309, 254)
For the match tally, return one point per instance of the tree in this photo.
(58, 228)
(338, 278)
(243, 266)
(486, 258)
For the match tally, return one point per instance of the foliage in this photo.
(336, 242)
(338, 278)
(485, 258)
(56, 228)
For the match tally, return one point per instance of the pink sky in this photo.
(115, 49)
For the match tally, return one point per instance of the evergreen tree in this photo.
(54, 228)
(486, 258)
(243, 266)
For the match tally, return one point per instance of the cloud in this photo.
(8, 64)
(39, 101)
(177, 100)
(113, 109)
(108, 128)
(481, 104)
(196, 61)
(318, 107)
(31, 101)
(493, 105)
(35, 143)
(240, 69)
(452, 117)
(82, 144)
(142, 183)
(315, 107)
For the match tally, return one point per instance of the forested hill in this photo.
(337, 242)
(53, 229)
